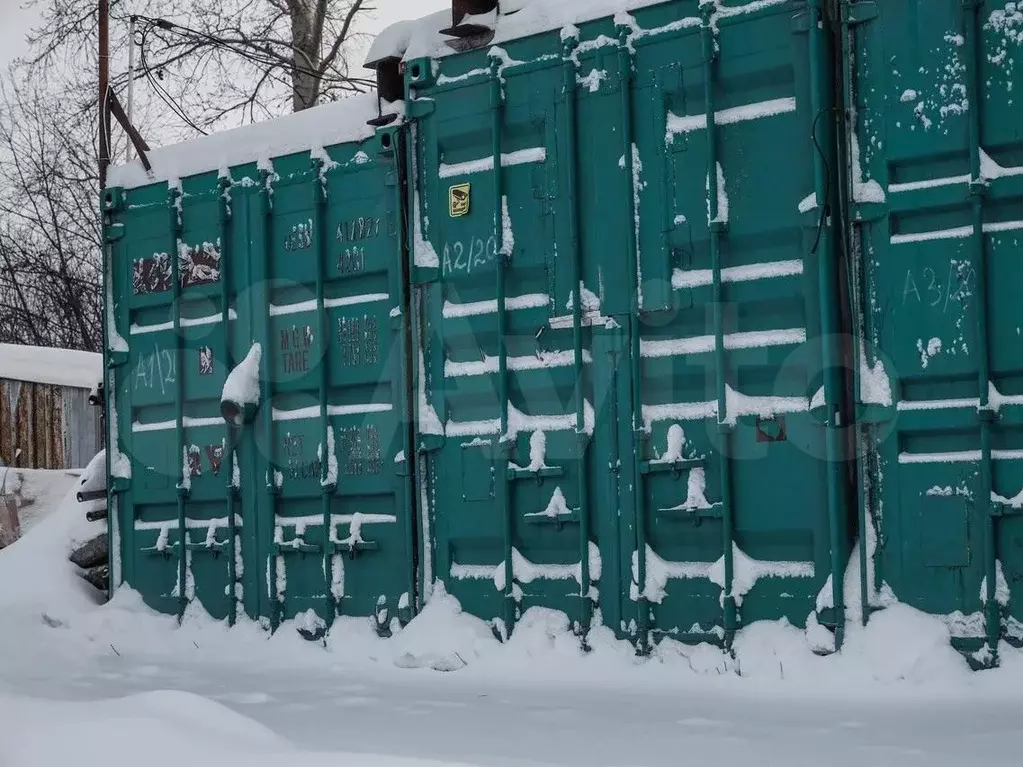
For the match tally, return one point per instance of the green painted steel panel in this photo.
(938, 202)
(306, 259)
(686, 322)
(661, 376)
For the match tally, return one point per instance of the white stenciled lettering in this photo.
(934, 288)
(357, 229)
(910, 288)
(466, 256)
(957, 287)
(300, 237)
(155, 369)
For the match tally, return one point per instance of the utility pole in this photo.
(131, 82)
(104, 86)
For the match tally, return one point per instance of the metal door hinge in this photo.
(422, 275)
(859, 13)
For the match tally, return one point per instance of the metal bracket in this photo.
(116, 359)
(429, 443)
(675, 468)
(859, 13)
(539, 474)
(168, 552)
(296, 547)
(302, 548)
(557, 520)
(979, 188)
(419, 108)
(173, 550)
(213, 548)
(351, 549)
(999, 509)
(113, 199)
(696, 516)
(418, 73)
(871, 413)
(423, 275)
(386, 141)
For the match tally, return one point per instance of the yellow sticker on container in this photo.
(458, 200)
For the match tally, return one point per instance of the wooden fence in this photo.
(55, 427)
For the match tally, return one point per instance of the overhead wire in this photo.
(248, 51)
(160, 91)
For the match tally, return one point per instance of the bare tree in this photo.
(205, 62)
(211, 60)
(49, 229)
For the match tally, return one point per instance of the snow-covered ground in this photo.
(40, 490)
(115, 685)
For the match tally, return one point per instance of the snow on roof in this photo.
(518, 18)
(393, 41)
(335, 123)
(60, 367)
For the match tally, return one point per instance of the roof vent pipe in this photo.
(460, 9)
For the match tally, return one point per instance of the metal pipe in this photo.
(416, 342)
(224, 186)
(327, 486)
(575, 256)
(502, 262)
(104, 87)
(978, 190)
(112, 440)
(856, 288)
(81, 497)
(131, 82)
(861, 478)
(174, 201)
(266, 225)
(859, 337)
(635, 359)
(108, 307)
(830, 357)
(405, 353)
(716, 230)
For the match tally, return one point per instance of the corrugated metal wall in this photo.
(55, 427)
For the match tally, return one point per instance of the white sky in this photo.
(14, 23)
(16, 20)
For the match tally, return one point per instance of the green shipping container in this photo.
(936, 212)
(545, 332)
(656, 451)
(294, 264)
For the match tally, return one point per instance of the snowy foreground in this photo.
(117, 685)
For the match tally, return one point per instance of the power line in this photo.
(247, 50)
(160, 91)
